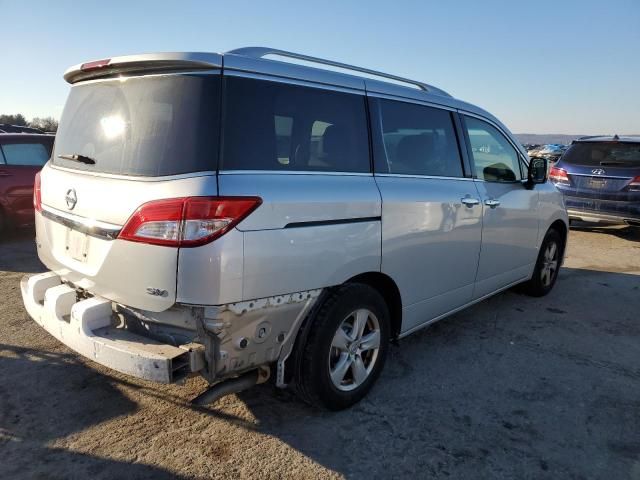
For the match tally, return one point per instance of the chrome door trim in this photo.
(93, 228)
(435, 177)
(293, 172)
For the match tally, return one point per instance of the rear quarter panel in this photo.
(551, 207)
(283, 252)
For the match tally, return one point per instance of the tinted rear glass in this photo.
(276, 126)
(598, 154)
(148, 126)
(417, 140)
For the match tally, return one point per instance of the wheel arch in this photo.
(562, 229)
(389, 291)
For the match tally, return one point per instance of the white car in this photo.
(239, 217)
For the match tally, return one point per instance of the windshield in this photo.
(147, 126)
(603, 153)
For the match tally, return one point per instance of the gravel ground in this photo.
(514, 387)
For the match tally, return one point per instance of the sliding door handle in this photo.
(492, 203)
(470, 201)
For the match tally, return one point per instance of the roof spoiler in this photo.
(146, 63)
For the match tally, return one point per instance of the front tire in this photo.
(346, 348)
(547, 267)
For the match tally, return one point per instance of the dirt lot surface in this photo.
(514, 387)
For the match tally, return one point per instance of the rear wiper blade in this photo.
(78, 158)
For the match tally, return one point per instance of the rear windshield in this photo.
(146, 126)
(603, 153)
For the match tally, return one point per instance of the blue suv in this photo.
(600, 179)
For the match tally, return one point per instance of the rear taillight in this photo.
(187, 222)
(558, 176)
(37, 194)
(634, 185)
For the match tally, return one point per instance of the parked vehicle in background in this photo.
(22, 155)
(267, 216)
(6, 128)
(532, 149)
(551, 152)
(600, 180)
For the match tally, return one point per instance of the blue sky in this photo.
(541, 66)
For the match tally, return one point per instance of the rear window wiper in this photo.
(78, 158)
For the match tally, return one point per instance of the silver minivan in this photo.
(246, 216)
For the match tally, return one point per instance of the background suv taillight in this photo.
(187, 222)
(37, 194)
(558, 176)
(634, 185)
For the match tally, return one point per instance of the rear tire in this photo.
(547, 267)
(345, 349)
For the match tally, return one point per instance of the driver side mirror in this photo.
(537, 171)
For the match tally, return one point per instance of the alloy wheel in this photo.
(354, 350)
(549, 264)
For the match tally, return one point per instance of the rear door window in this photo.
(25, 154)
(151, 125)
(278, 126)
(417, 140)
(495, 159)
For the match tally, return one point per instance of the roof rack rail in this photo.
(260, 52)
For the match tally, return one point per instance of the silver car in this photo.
(246, 218)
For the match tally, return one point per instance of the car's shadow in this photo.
(18, 252)
(515, 387)
(59, 397)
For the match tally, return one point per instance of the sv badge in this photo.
(157, 292)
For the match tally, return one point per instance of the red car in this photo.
(22, 155)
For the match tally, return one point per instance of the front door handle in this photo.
(470, 201)
(4, 173)
(492, 203)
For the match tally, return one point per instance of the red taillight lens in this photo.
(187, 222)
(558, 175)
(37, 194)
(634, 185)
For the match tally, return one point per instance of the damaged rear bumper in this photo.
(86, 326)
(217, 342)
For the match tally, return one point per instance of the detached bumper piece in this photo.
(86, 326)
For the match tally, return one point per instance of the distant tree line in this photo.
(47, 124)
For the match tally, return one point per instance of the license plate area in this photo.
(597, 183)
(77, 245)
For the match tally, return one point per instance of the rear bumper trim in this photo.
(598, 217)
(85, 326)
